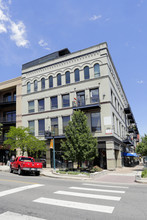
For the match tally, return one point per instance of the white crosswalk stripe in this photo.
(75, 205)
(83, 205)
(93, 196)
(17, 216)
(97, 190)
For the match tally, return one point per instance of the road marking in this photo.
(17, 216)
(120, 187)
(17, 181)
(97, 190)
(19, 189)
(75, 205)
(114, 198)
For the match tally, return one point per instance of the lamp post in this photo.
(53, 135)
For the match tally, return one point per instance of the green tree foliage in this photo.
(142, 146)
(79, 145)
(21, 138)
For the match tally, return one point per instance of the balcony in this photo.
(128, 141)
(85, 104)
(5, 120)
(5, 102)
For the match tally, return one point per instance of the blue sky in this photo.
(30, 29)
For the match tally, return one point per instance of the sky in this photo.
(30, 29)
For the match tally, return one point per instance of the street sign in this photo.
(51, 144)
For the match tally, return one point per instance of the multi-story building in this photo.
(55, 85)
(10, 111)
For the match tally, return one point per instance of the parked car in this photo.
(25, 164)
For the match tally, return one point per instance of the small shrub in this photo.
(95, 169)
(144, 174)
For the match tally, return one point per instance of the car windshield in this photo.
(26, 159)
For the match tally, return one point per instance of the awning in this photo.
(130, 155)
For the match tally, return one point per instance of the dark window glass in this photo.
(41, 127)
(65, 121)
(7, 97)
(86, 72)
(28, 87)
(59, 80)
(94, 95)
(54, 126)
(67, 76)
(96, 70)
(50, 82)
(32, 127)
(95, 121)
(41, 105)
(14, 96)
(31, 106)
(65, 100)
(35, 85)
(43, 83)
(77, 76)
(54, 102)
(81, 98)
(10, 116)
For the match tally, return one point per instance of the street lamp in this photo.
(53, 135)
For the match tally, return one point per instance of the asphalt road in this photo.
(35, 198)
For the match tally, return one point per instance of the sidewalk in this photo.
(120, 175)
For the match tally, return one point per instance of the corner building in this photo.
(56, 85)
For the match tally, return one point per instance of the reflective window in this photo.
(54, 102)
(96, 70)
(65, 100)
(67, 77)
(54, 126)
(31, 125)
(95, 121)
(65, 120)
(43, 83)
(94, 95)
(59, 80)
(50, 82)
(9, 116)
(77, 76)
(31, 106)
(86, 72)
(41, 127)
(41, 105)
(35, 85)
(7, 97)
(81, 98)
(28, 87)
(14, 96)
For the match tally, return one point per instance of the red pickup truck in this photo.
(25, 164)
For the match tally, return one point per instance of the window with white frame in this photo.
(31, 107)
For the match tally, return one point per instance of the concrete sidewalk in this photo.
(120, 175)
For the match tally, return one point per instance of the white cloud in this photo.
(3, 28)
(95, 17)
(43, 44)
(16, 31)
(140, 82)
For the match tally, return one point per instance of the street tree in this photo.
(142, 146)
(22, 138)
(80, 145)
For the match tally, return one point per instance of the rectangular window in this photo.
(94, 95)
(41, 105)
(41, 127)
(65, 100)
(65, 120)
(54, 126)
(54, 102)
(95, 122)
(81, 98)
(31, 125)
(31, 106)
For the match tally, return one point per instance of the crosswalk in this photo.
(113, 194)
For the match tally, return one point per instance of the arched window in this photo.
(35, 85)
(96, 70)
(50, 82)
(43, 83)
(77, 76)
(28, 87)
(67, 77)
(86, 72)
(59, 80)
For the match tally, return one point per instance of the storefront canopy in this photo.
(130, 155)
